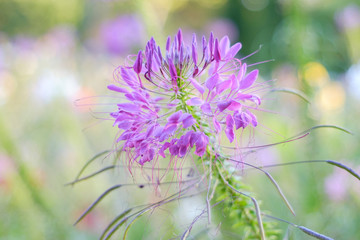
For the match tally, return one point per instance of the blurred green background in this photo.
(54, 52)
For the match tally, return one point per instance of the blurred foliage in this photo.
(36, 17)
(54, 52)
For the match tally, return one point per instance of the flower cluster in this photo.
(181, 99)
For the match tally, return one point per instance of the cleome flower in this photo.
(180, 100)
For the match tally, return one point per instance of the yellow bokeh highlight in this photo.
(213, 3)
(178, 4)
(331, 97)
(315, 74)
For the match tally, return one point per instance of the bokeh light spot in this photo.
(331, 97)
(315, 74)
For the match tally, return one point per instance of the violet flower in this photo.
(122, 34)
(178, 99)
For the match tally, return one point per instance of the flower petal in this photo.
(194, 54)
(234, 106)
(211, 43)
(174, 150)
(188, 121)
(255, 99)
(167, 132)
(242, 72)
(195, 101)
(137, 96)
(128, 107)
(174, 118)
(249, 79)
(194, 137)
(217, 125)
(125, 124)
(222, 86)
(234, 82)
(125, 136)
(229, 131)
(206, 108)
(182, 151)
(223, 105)
(150, 130)
(197, 85)
(117, 89)
(172, 70)
(224, 45)
(129, 76)
(212, 81)
(158, 131)
(217, 55)
(138, 63)
(233, 51)
(180, 38)
(163, 148)
(185, 139)
(201, 144)
(241, 119)
(254, 121)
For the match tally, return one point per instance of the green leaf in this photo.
(346, 168)
(90, 161)
(96, 202)
(323, 126)
(313, 233)
(132, 221)
(121, 216)
(91, 175)
(292, 91)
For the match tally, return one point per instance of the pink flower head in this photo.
(178, 99)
